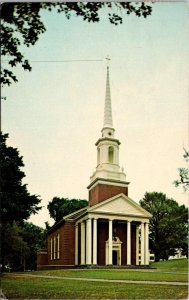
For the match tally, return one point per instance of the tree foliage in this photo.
(60, 207)
(35, 237)
(20, 246)
(17, 204)
(168, 225)
(183, 174)
(13, 248)
(21, 24)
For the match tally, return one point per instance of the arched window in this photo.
(110, 154)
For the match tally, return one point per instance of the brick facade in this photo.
(103, 192)
(66, 245)
(42, 258)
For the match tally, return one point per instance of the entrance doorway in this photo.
(114, 257)
(116, 252)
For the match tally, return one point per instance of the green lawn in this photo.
(172, 265)
(117, 274)
(37, 288)
(26, 287)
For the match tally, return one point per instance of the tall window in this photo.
(58, 246)
(54, 247)
(51, 245)
(110, 154)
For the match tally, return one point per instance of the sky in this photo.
(54, 114)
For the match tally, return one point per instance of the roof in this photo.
(119, 205)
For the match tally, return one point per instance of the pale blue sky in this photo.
(54, 114)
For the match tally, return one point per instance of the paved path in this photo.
(107, 280)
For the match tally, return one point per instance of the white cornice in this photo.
(107, 182)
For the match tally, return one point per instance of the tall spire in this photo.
(108, 108)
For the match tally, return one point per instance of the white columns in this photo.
(76, 244)
(82, 243)
(128, 242)
(142, 244)
(88, 243)
(137, 244)
(146, 234)
(110, 243)
(94, 241)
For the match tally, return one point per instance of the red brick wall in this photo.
(121, 233)
(102, 234)
(133, 244)
(67, 245)
(42, 258)
(102, 192)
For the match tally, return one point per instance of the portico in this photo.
(112, 238)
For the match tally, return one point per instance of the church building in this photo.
(113, 229)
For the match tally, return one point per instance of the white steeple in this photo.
(108, 130)
(107, 146)
(108, 107)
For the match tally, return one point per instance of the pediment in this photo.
(120, 204)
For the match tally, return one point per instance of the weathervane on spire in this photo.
(108, 60)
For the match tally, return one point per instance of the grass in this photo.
(116, 274)
(172, 265)
(25, 287)
(35, 288)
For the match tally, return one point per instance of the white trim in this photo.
(94, 241)
(146, 254)
(82, 243)
(142, 243)
(137, 245)
(116, 246)
(101, 181)
(145, 214)
(128, 242)
(88, 243)
(110, 243)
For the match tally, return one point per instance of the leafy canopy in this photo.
(17, 204)
(21, 24)
(168, 225)
(60, 207)
(20, 246)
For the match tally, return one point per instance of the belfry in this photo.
(112, 229)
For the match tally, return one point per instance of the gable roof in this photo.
(118, 205)
(71, 218)
(121, 205)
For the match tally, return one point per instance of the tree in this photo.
(16, 205)
(35, 237)
(60, 207)
(20, 246)
(21, 25)
(13, 248)
(183, 174)
(16, 202)
(168, 225)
